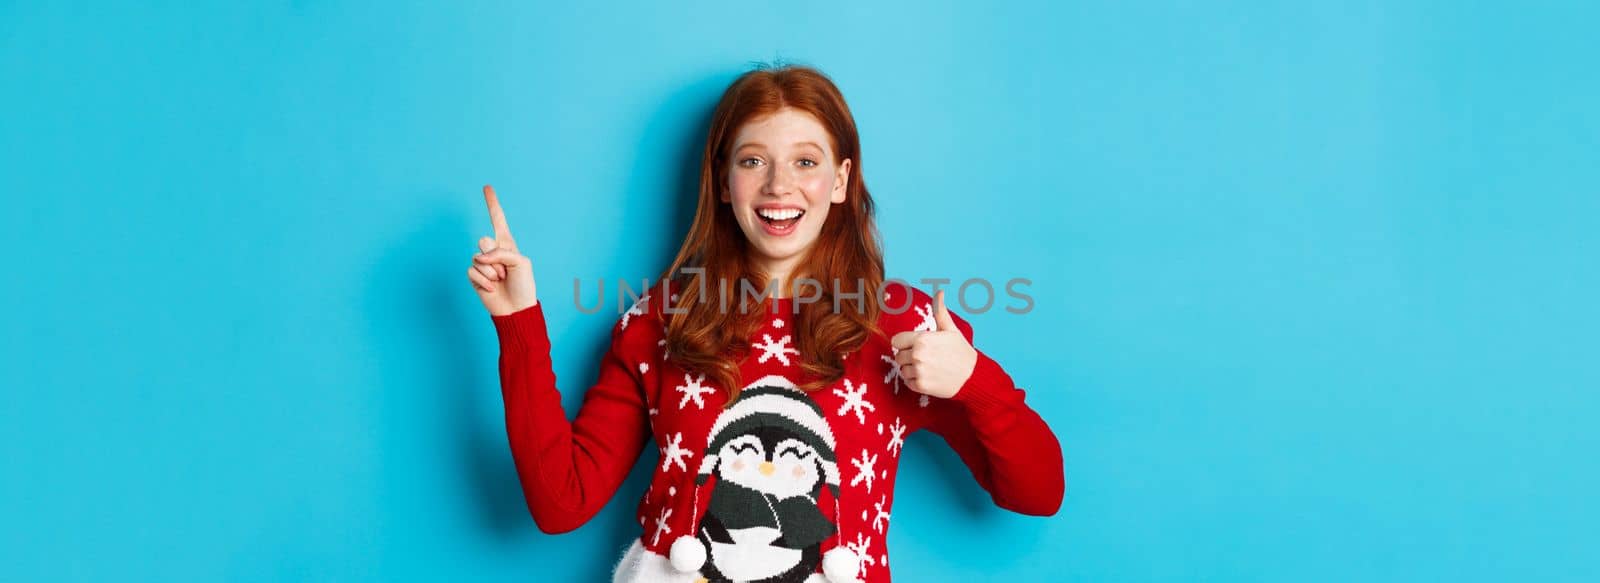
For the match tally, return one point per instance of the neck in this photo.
(780, 272)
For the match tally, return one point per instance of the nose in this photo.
(766, 468)
(780, 181)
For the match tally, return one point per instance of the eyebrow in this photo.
(761, 145)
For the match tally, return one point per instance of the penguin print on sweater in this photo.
(771, 453)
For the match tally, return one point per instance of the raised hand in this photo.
(502, 277)
(935, 363)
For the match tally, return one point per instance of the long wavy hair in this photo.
(707, 338)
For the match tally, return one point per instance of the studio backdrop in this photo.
(1313, 284)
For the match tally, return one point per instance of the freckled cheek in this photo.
(817, 190)
(743, 189)
(818, 183)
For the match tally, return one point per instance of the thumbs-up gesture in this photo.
(935, 363)
(502, 277)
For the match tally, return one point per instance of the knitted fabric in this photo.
(779, 486)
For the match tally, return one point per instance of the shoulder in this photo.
(899, 297)
(907, 308)
(643, 314)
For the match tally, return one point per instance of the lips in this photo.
(779, 221)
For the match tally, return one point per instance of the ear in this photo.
(841, 182)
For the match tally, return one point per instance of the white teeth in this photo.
(779, 214)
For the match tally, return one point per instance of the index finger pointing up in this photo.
(502, 231)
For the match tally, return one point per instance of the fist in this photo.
(502, 277)
(935, 363)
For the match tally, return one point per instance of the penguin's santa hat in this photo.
(771, 401)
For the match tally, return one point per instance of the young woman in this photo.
(779, 418)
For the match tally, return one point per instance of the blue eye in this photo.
(747, 162)
(808, 162)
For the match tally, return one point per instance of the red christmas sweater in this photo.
(780, 485)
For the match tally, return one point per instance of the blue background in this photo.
(1315, 283)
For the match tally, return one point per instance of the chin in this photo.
(777, 252)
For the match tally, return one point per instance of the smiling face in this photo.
(789, 468)
(782, 179)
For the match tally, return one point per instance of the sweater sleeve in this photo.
(1005, 443)
(568, 470)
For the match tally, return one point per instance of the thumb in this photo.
(941, 316)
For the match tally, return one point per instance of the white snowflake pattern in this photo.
(663, 344)
(928, 323)
(661, 525)
(777, 322)
(692, 389)
(860, 547)
(770, 349)
(897, 437)
(893, 378)
(880, 516)
(864, 470)
(674, 453)
(644, 367)
(922, 401)
(637, 309)
(855, 400)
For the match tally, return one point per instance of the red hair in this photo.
(709, 339)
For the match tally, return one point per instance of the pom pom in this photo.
(687, 554)
(840, 565)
